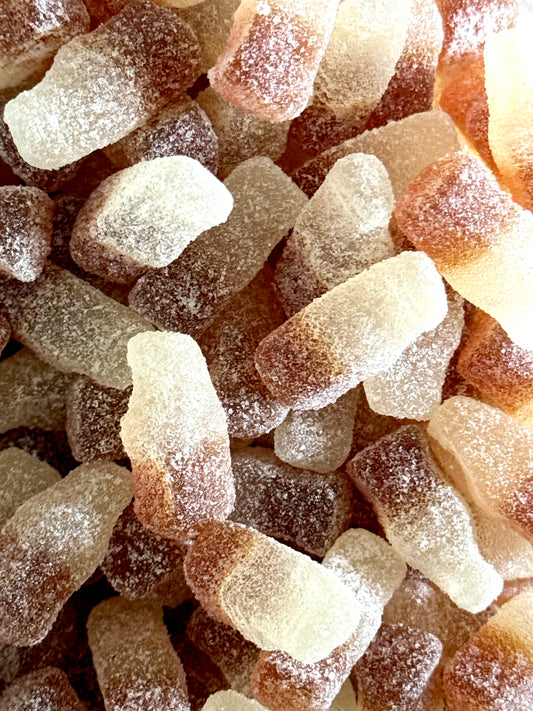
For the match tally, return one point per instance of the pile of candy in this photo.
(266, 383)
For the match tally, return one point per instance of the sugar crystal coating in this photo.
(145, 215)
(509, 83)
(181, 128)
(372, 570)
(493, 670)
(341, 231)
(93, 420)
(396, 668)
(479, 238)
(294, 505)
(21, 477)
(234, 655)
(272, 55)
(357, 64)
(25, 231)
(73, 326)
(404, 147)
(412, 386)
(231, 701)
(498, 368)
(319, 440)
(175, 434)
(489, 454)
(187, 295)
(241, 136)
(352, 332)
(276, 597)
(32, 393)
(229, 345)
(103, 85)
(141, 564)
(53, 543)
(47, 689)
(32, 31)
(424, 517)
(136, 665)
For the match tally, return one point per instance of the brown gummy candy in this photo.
(140, 564)
(136, 665)
(43, 690)
(93, 420)
(229, 345)
(297, 506)
(52, 545)
(145, 54)
(26, 216)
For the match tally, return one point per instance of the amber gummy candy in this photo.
(319, 440)
(103, 85)
(32, 393)
(276, 597)
(73, 326)
(211, 21)
(241, 136)
(358, 65)
(509, 83)
(175, 434)
(370, 567)
(187, 295)
(404, 147)
(468, 25)
(93, 420)
(339, 233)
(412, 386)
(136, 665)
(480, 240)
(411, 87)
(497, 368)
(233, 654)
(494, 669)
(21, 477)
(272, 55)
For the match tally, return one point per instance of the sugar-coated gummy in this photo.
(176, 436)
